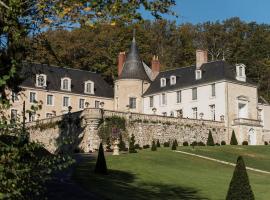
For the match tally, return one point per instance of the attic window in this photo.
(89, 87)
(162, 82)
(66, 84)
(241, 72)
(173, 80)
(41, 80)
(198, 74)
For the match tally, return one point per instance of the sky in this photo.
(198, 11)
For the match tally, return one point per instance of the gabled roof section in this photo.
(185, 77)
(133, 66)
(54, 75)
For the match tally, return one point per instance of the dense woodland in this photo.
(96, 48)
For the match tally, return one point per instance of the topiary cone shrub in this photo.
(239, 187)
(158, 144)
(210, 139)
(153, 147)
(233, 139)
(132, 145)
(174, 145)
(185, 143)
(101, 166)
(245, 143)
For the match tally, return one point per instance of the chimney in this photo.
(121, 61)
(201, 58)
(155, 65)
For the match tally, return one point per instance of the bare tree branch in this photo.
(3, 4)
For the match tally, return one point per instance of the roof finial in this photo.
(134, 33)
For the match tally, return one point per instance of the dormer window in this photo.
(173, 80)
(41, 80)
(198, 74)
(66, 84)
(162, 82)
(241, 72)
(89, 87)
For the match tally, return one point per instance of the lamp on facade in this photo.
(201, 115)
(222, 118)
(154, 110)
(101, 104)
(69, 109)
(86, 104)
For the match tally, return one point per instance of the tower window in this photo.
(41, 80)
(66, 84)
(163, 82)
(173, 80)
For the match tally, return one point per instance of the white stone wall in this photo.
(265, 115)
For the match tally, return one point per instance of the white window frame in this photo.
(173, 80)
(63, 102)
(80, 103)
(52, 100)
(69, 84)
(198, 74)
(163, 82)
(32, 116)
(163, 101)
(195, 112)
(45, 80)
(151, 101)
(92, 87)
(241, 72)
(30, 97)
(131, 102)
(14, 96)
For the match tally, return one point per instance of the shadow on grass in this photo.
(121, 185)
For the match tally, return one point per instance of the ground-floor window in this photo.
(195, 112)
(132, 102)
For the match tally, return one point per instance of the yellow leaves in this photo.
(48, 21)
(113, 23)
(87, 9)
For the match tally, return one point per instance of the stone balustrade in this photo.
(249, 122)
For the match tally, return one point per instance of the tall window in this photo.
(213, 90)
(151, 101)
(195, 112)
(194, 93)
(132, 102)
(65, 101)
(163, 99)
(81, 103)
(178, 97)
(14, 96)
(89, 87)
(97, 104)
(49, 99)
(32, 116)
(163, 82)
(49, 115)
(41, 80)
(32, 98)
(213, 112)
(66, 84)
(13, 115)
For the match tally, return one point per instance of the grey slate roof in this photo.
(133, 67)
(185, 76)
(54, 75)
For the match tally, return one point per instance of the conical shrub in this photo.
(132, 145)
(239, 187)
(101, 166)
(158, 143)
(210, 139)
(233, 139)
(174, 145)
(153, 147)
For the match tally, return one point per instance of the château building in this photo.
(216, 91)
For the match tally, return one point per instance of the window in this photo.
(49, 115)
(198, 74)
(178, 97)
(163, 82)
(260, 114)
(163, 99)
(195, 112)
(132, 102)
(89, 87)
(14, 96)
(65, 101)
(32, 98)
(49, 100)
(32, 116)
(13, 115)
(213, 90)
(194, 93)
(213, 112)
(97, 104)
(41, 80)
(65, 84)
(151, 101)
(81, 103)
(173, 80)
(240, 72)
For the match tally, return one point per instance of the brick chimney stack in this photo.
(121, 61)
(155, 65)
(201, 58)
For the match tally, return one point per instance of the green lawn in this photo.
(166, 175)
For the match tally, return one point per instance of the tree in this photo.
(132, 144)
(122, 145)
(153, 147)
(158, 143)
(174, 145)
(210, 140)
(239, 186)
(233, 139)
(101, 166)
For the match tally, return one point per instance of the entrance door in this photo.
(252, 137)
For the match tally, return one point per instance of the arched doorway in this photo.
(252, 137)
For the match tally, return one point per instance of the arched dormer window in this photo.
(89, 87)
(173, 80)
(66, 84)
(162, 82)
(41, 80)
(241, 72)
(198, 74)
